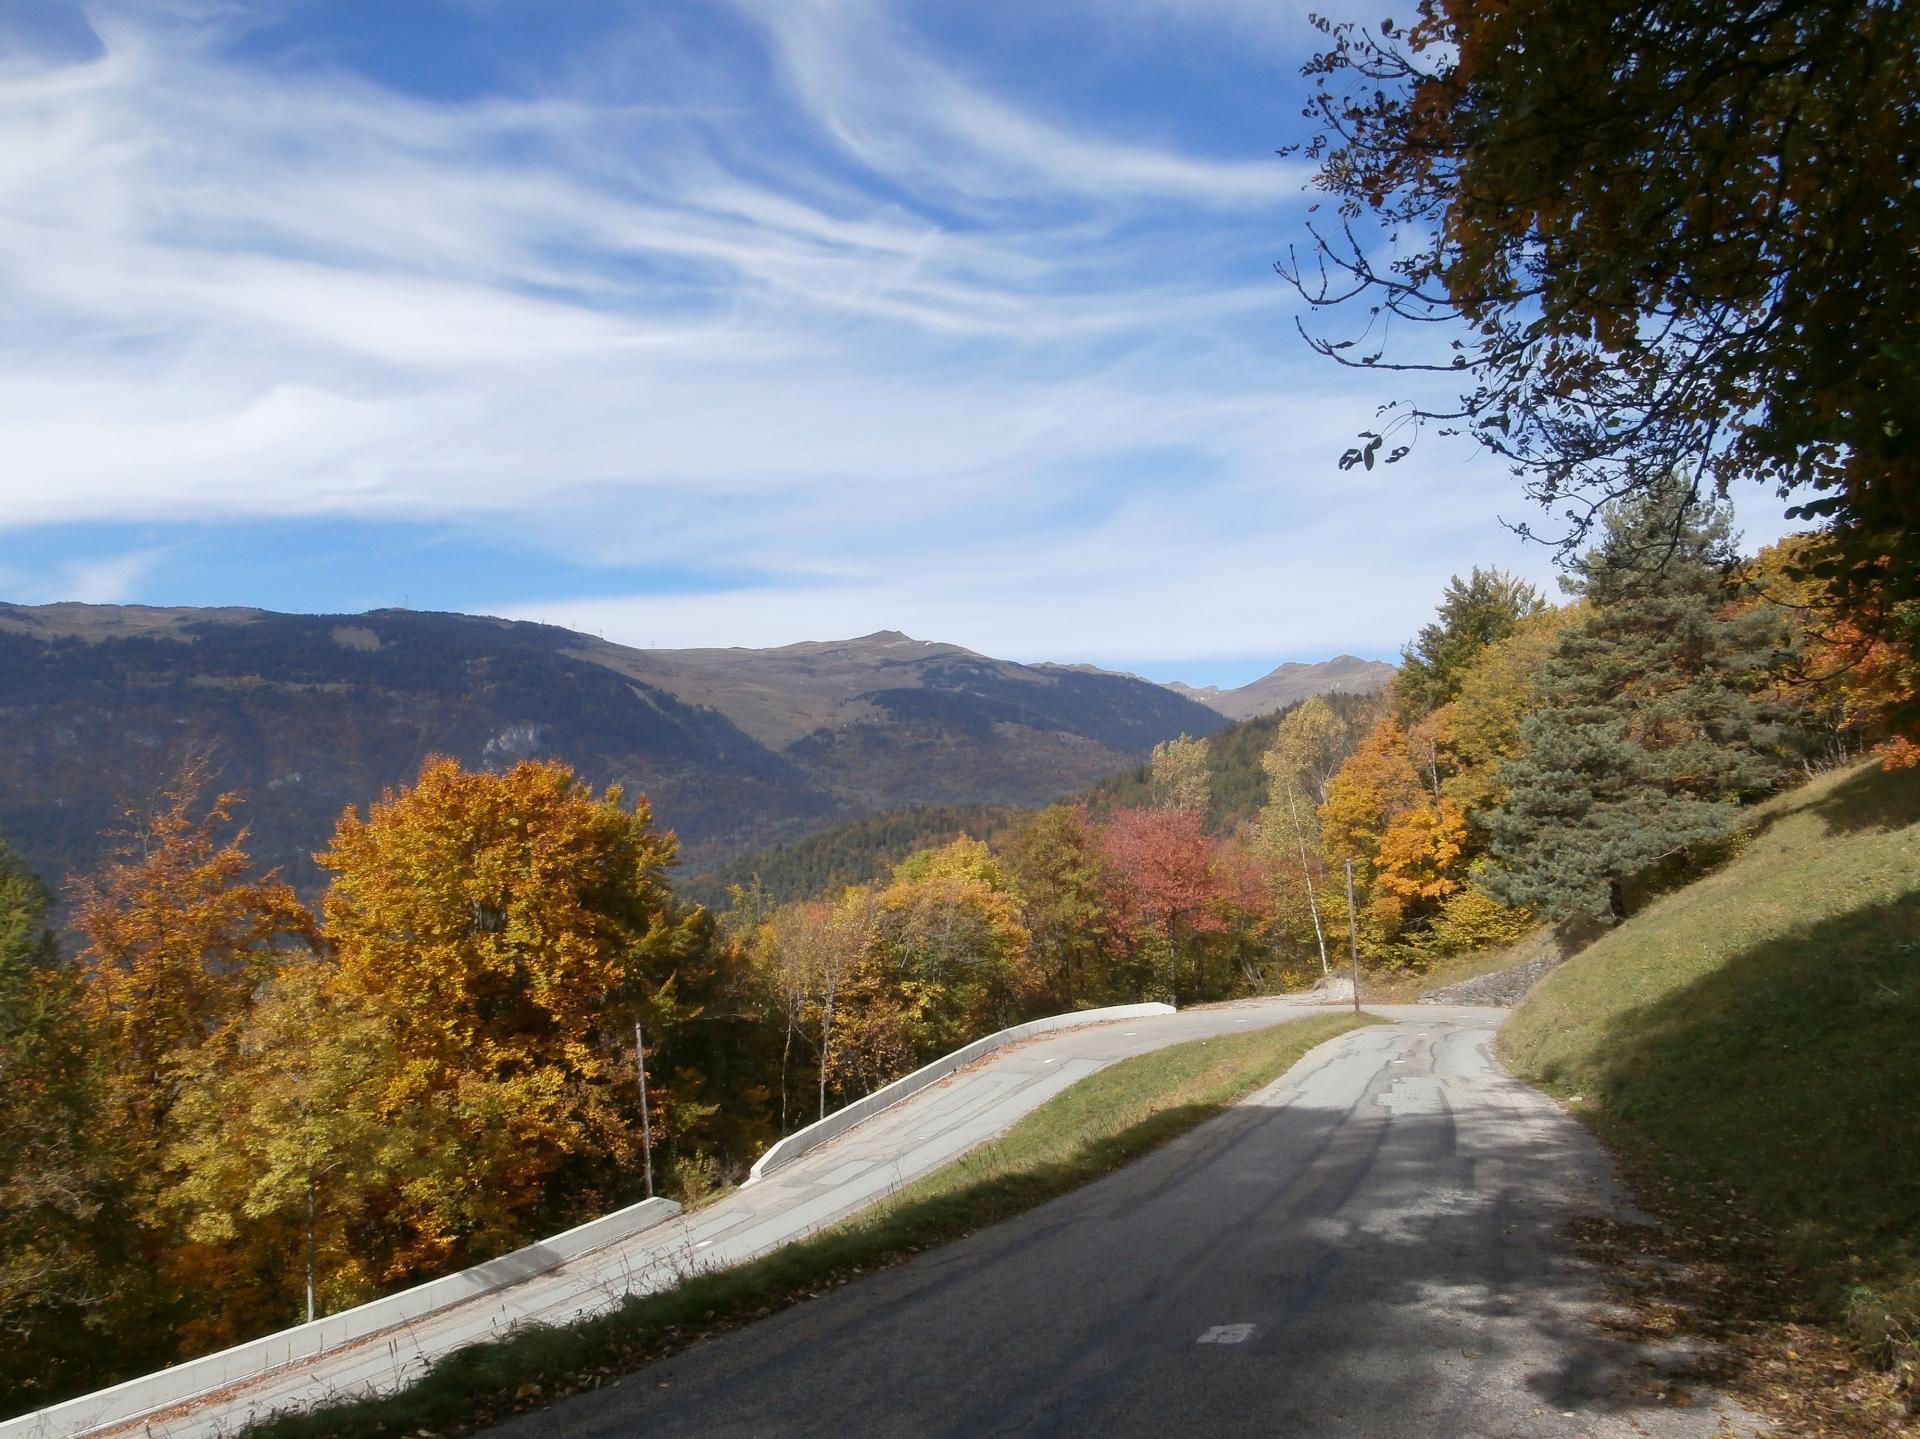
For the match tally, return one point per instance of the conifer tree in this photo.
(1647, 737)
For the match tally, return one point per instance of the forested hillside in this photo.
(308, 714)
(859, 851)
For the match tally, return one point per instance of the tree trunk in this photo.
(311, 1206)
(826, 1048)
(1306, 873)
(786, 1059)
(1173, 965)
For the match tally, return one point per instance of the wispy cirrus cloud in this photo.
(913, 329)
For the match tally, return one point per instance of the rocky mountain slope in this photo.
(308, 714)
(1343, 674)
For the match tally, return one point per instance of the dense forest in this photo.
(227, 1109)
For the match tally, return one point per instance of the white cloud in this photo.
(108, 579)
(896, 108)
(921, 355)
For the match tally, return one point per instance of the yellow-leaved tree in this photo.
(947, 959)
(512, 926)
(179, 938)
(285, 1149)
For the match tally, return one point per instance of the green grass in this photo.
(1751, 1043)
(1091, 1129)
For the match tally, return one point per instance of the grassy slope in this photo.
(1099, 1124)
(1756, 1037)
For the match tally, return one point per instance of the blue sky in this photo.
(737, 322)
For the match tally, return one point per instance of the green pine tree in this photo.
(1647, 738)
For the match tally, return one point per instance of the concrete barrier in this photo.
(841, 1120)
(167, 1387)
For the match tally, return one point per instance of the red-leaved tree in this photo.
(1163, 878)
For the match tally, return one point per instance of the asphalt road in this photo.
(823, 1186)
(1370, 1247)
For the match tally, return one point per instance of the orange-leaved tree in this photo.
(513, 926)
(1853, 679)
(1388, 812)
(180, 936)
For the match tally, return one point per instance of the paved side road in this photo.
(1370, 1247)
(823, 1186)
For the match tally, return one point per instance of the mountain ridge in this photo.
(309, 714)
(1290, 682)
(737, 748)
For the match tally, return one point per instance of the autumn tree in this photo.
(1053, 865)
(1476, 612)
(284, 1145)
(808, 954)
(54, 1175)
(1853, 680)
(1672, 236)
(180, 935)
(1165, 879)
(1647, 737)
(1498, 689)
(1182, 776)
(948, 936)
(1387, 811)
(512, 925)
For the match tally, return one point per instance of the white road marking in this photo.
(703, 1244)
(1226, 1334)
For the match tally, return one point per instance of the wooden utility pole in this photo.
(1353, 939)
(646, 1121)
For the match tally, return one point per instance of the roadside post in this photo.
(646, 1123)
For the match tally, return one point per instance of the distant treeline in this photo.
(865, 849)
(847, 854)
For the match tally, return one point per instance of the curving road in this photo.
(819, 1188)
(1370, 1247)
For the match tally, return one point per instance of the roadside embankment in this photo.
(1748, 1045)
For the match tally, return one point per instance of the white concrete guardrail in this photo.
(841, 1120)
(167, 1387)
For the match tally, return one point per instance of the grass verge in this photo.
(1747, 1046)
(1091, 1129)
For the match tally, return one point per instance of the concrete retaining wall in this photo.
(841, 1120)
(168, 1387)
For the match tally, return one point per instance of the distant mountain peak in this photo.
(1288, 683)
